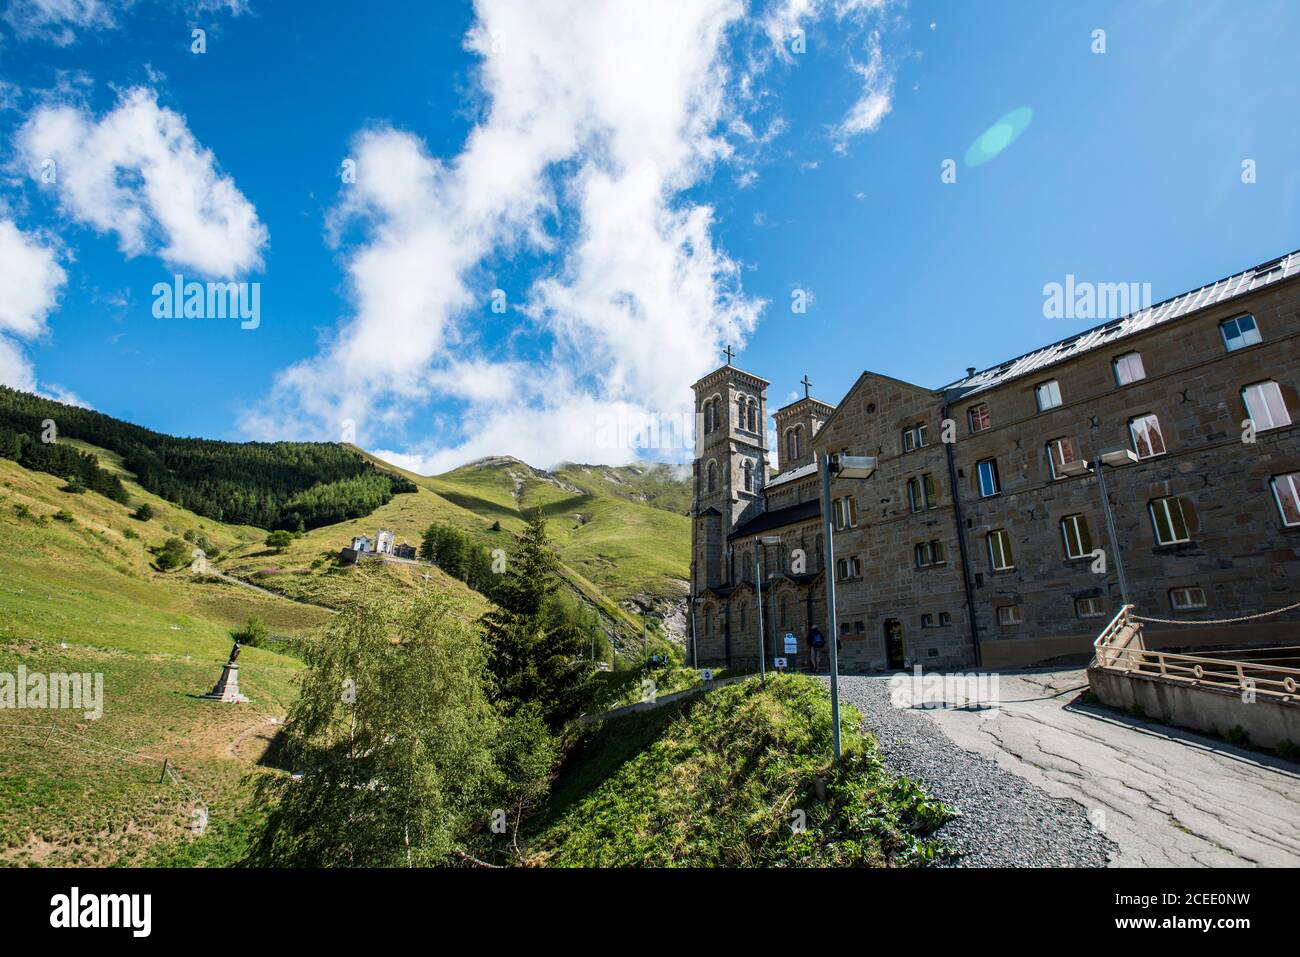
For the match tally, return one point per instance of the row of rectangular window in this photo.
(1128, 368)
(1168, 521)
(1265, 407)
(1186, 598)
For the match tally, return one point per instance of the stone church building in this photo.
(981, 538)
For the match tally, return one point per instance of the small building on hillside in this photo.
(361, 543)
(404, 551)
(383, 542)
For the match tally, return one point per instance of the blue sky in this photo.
(644, 184)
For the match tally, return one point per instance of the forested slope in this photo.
(293, 485)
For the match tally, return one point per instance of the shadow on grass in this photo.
(598, 755)
(481, 506)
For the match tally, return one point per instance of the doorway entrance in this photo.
(894, 644)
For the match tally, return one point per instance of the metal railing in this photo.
(1119, 647)
(1115, 637)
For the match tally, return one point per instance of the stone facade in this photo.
(946, 563)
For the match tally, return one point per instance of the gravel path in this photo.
(1005, 821)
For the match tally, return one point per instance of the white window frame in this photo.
(1052, 447)
(846, 515)
(1162, 504)
(921, 492)
(1013, 618)
(1002, 552)
(1188, 605)
(1146, 421)
(929, 554)
(1119, 363)
(1078, 523)
(970, 417)
(1099, 612)
(1240, 337)
(1052, 389)
(993, 473)
(1267, 399)
(914, 437)
(1292, 480)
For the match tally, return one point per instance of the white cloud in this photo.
(876, 98)
(139, 172)
(629, 99)
(15, 369)
(30, 284)
(597, 119)
(61, 21)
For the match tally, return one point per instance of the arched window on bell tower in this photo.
(748, 469)
(752, 417)
(712, 470)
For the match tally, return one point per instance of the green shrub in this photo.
(63, 515)
(253, 634)
(173, 553)
(279, 540)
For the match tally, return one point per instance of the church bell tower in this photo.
(730, 466)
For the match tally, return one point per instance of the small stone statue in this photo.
(234, 654)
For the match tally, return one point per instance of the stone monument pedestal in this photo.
(227, 688)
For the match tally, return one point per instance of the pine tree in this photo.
(536, 657)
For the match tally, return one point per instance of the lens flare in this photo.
(999, 136)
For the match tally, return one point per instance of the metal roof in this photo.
(799, 472)
(790, 515)
(1275, 270)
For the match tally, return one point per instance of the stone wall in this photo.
(1240, 552)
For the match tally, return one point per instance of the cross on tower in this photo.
(729, 354)
(806, 385)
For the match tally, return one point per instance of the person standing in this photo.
(816, 642)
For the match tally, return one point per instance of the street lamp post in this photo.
(846, 467)
(695, 642)
(1104, 460)
(762, 543)
(1114, 459)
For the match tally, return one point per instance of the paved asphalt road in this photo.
(1163, 796)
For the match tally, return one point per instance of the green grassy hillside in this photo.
(79, 593)
(626, 548)
(731, 779)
